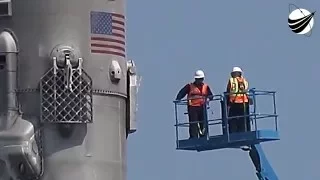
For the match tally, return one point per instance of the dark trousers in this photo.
(196, 113)
(240, 124)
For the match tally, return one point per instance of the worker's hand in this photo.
(210, 98)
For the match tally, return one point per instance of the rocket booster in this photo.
(68, 93)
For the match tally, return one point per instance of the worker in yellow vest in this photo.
(197, 92)
(238, 102)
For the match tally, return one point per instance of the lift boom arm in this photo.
(260, 161)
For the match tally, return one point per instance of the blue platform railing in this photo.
(223, 119)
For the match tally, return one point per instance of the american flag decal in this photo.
(107, 33)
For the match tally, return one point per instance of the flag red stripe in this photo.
(118, 22)
(118, 28)
(107, 39)
(107, 46)
(118, 15)
(108, 52)
(118, 35)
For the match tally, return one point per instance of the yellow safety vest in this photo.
(238, 85)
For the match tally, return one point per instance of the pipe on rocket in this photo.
(8, 48)
(19, 148)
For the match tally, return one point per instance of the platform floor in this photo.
(221, 141)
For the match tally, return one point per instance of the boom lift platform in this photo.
(251, 138)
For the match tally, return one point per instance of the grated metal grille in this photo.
(60, 104)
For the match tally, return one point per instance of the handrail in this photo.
(223, 119)
(261, 116)
(251, 93)
(187, 99)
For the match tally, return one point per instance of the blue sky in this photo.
(169, 40)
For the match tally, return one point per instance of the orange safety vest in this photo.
(200, 97)
(238, 85)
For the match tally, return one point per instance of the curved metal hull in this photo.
(93, 151)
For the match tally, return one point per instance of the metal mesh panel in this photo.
(60, 104)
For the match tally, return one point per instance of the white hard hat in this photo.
(236, 69)
(199, 74)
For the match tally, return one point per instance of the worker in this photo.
(197, 92)
(238, 104)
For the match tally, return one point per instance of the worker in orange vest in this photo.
(197, 92)
(238, 102)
